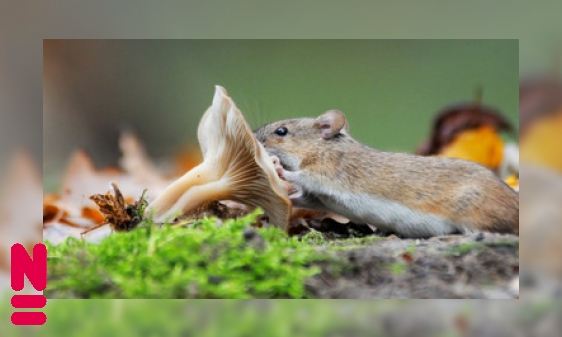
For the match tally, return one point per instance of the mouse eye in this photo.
(281, 131)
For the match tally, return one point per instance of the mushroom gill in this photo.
(235, 167)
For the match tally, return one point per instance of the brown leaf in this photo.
(452, 120)
(120, 215)
(71, 210)
(50, 213)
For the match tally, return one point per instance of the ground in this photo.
(474, 266)
(227, 258)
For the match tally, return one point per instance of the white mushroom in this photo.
(235, 167)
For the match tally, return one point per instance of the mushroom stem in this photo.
(192, 189)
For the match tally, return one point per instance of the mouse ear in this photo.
(331, 123)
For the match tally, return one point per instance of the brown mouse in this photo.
(413, 196)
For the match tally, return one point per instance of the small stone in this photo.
(249, 233)
(253, 238)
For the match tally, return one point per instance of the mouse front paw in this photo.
(277, 166)
(281, 172)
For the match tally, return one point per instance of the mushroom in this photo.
(235, 167)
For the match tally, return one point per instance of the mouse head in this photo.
(291, 140)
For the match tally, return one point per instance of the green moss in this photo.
(398, 268)
(208, 260)
(315, 238)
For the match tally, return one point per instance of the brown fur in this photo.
(466, 193)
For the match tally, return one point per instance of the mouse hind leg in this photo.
(491, 208)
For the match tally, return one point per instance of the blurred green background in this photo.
(389, 89)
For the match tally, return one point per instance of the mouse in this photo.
(410, 195)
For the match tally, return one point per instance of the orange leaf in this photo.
(92, 214)
(512, 181)
(482, 145)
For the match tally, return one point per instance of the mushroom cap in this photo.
(225, 136)
(235, 167)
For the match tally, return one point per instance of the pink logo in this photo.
(36, 271)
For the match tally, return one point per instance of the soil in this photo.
(458, 266)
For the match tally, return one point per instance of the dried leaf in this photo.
(454, 120)
(93, 214)
(51, 213)
(120, 215)
(82, 179)
(71, 210)
(482, 145)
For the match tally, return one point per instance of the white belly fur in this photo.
(388, 215)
